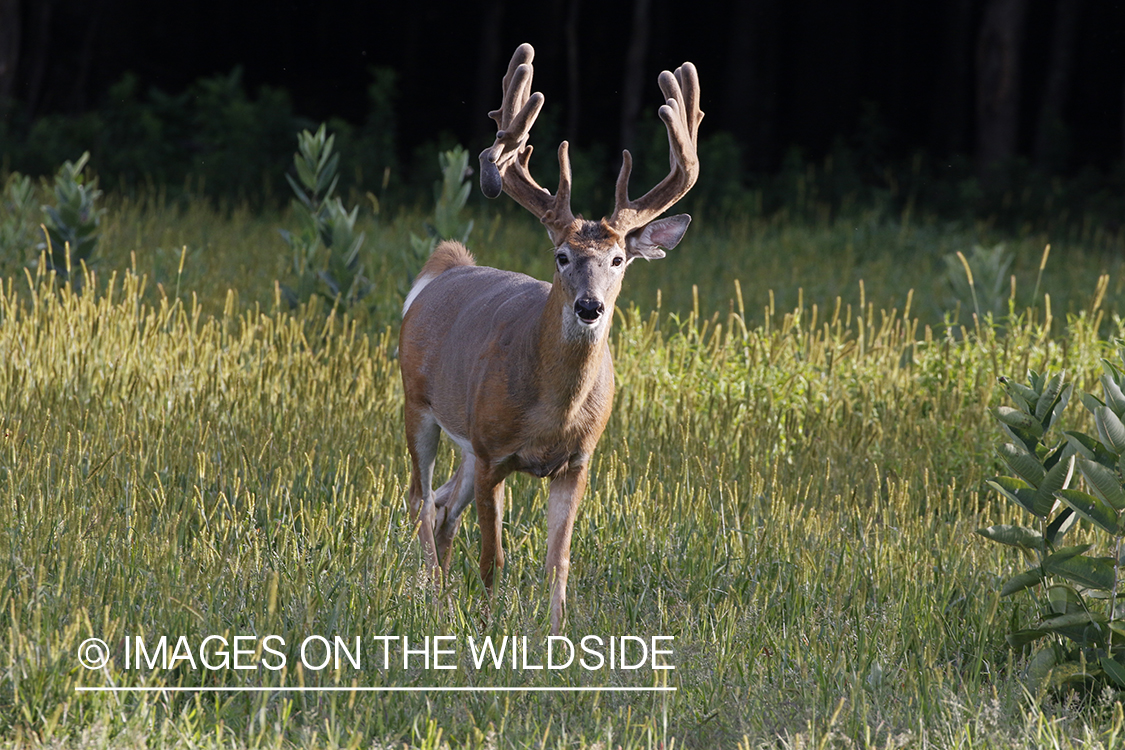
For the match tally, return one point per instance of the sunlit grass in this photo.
(790, 490)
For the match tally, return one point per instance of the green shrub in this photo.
(17, 222)
(373, 151)
(326, 246)
(450, 195)
(72, 223)
(239, 143)
(1079, 625)
(980, 282)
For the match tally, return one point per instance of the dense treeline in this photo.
(985, 107)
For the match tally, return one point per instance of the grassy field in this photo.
(789, 486)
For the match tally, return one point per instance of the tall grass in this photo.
(792, 262)
(789, 488)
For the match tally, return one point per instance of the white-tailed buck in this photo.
(517, 371)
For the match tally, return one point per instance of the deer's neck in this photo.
(569, 367)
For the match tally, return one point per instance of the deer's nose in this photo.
(588, 309)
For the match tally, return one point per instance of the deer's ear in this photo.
(647, 241)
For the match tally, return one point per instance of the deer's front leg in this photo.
(562, 507)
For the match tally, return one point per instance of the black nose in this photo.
(588, 309)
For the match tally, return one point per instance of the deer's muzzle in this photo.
(588, 309)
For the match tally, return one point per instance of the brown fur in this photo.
(483, 355)
(518, 371)
(448, 254)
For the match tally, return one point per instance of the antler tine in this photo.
(682, 91)
(517, 85)
(621, 193)
(504, 165)
(681, 116)
(516, 115)
(688, 78)
(562, 195)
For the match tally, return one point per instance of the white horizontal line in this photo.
(369, 689)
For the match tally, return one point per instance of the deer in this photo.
(517, 372)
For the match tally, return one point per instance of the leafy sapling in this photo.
(1080, 627)
(450, 195)
(326, 248)
(72, 222)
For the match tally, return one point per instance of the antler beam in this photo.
(504, 165)
(681, 115)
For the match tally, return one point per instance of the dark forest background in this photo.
(966, 100)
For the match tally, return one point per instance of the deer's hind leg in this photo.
(422, 432)
(451, 500)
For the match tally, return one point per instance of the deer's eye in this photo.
(617, 260)
(562, 260)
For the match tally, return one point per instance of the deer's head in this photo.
(591, 256)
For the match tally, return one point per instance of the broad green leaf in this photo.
(1060, 406)
(1021, 638)
(1112, 369)
(1090, 447)
(1092, 572)
(305, 173)
(1040, 667)
(1019, 419)
(1114, 398)
(1103, 481)
(1061, 451)
(1013, 536)
(299, 192)
(53, 215)
(1071, 673)
(1021, 581)
(1110, 429)
(1092, 402)
(1055, 624)
(1028, 440)
(1019, 392)
(1047, 398)
(1065, 553)
(322, 191)
(1022, 494)
(1062, 524)
(1113, 670)
(1057, 478)
(328, 175)
(1064, 599)
(1022, 463)
(1092, 508)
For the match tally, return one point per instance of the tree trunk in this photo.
(998, 84)
(633, 85)
(1050, 146)
(750, 99)
(488, 93)
(949, 111)
(9, 50)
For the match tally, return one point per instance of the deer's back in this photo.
(470, 327)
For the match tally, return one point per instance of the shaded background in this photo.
(989, 82)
